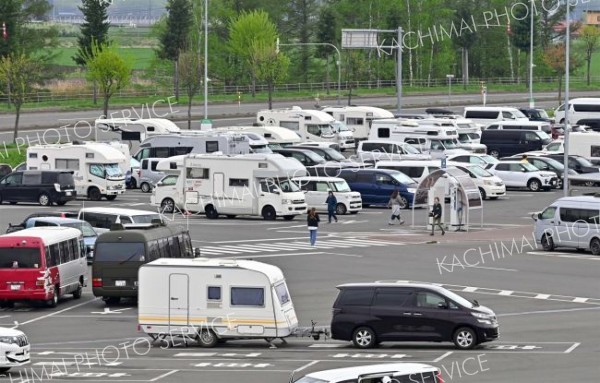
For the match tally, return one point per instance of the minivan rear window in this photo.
(65, 179)
(356, 297)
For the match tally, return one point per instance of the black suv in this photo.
(42, 186)
(371, 313)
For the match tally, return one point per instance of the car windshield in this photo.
(333, 154)
(543, 135)
(326, 130)
(529, 167)
(84, 227)
(339, 126)
(314, 157)
(113, 170)
(519, 114)
(341, 186)
(409, 149)
(402, 178)
(286, 185)
(447, 144)
(458, 299)
(542, 113)
(584, 162)
(169, 180)
(146, 218)
(555, 164)
(479, 171)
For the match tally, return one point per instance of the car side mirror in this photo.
(442, 305)
(524, 170)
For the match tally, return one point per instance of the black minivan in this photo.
(506, 143)
(371, 313)
(43, 186)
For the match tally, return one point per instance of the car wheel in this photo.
(595, 246)
(547, 243)
(77, 293)
(211, 212)
(403, 202)
(167, 205)
(289, 217)
(133, 184)
(364, 337)
(268, 213)
(534, 185)
(340, 209)
(112, 300)
(145, 186)
(94, 194)
(495, 153)
(44, 199)
(52, 302)
(207, 339)
(465, 338)
(111, 197)
(482, 192)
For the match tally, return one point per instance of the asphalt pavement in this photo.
(548, 304)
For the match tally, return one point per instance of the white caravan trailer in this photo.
(251, 184)
(196, 142)
(311, 125)
(208, 300)
(96, 166)
(579, 109)
(276, 136)
(358, 118)
(258, 143)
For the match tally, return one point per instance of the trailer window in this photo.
(214, 293)
(238, 182)
(67, 164)
(248, 296)
(282, 293)
(197, 173)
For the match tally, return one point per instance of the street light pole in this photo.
(205, 59)
(566, 104)
(449, 77)
(399, 74)
(531, 101)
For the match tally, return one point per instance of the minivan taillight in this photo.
(97, 282)
(438, 377)
(40, 283)
(57, 187)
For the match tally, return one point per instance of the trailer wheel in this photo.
(211, 212)
(94, 194)
(207, 339)
(269, 213)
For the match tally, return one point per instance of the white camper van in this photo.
(579, 109)
(251, 184)
(96, 166)
(276, 136)
(485, 115)
(312, 125)
(196, 142)
(229, 300)
(258, 143)
(131, 130)
(358, 118)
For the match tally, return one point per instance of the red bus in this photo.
(42, 264)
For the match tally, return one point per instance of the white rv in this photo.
(196, 142)
(251, 184)
(131, 130)
(579, 109)
(276, 136)
(358, 118)
(96, 166)
(311, 125)
(258, 143)
(208, 300)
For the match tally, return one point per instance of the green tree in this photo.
(190, 69)
(555, 58)
(245, 32)
(20, 73)
(326, 33)
(467, 37)
(94, 29)
(24, 36)
(521, 33)
(175, 36)
(301, 18)
(271, 67)
(590, 37)
(109, 70)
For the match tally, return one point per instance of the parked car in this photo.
(317, 189)
(60, 214)
(388, 373)
(579, 164)
(489, 185)
(102, 218)
(327, 153)
(504, 143)
(536, 114)
(377, 185)
(42, 186)
(135, 170)
(149, 176)
(484, 160)
(15, 349)
(549, 164)
(516, 174)
(370, 313)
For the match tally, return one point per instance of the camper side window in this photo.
(214, 293)
(238, 182)
(248, 296)
(66, 164)
(197, 173)
(282, 293)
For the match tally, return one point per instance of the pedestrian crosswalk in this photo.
(272, 247)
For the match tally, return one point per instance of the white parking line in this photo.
(164, 375)
(547, 311)
(436, 360)
(573, 347)
(57, 312)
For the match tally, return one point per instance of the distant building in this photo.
(591, 17)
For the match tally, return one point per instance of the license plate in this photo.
(120, 283)
(15, 287)
(68, 193)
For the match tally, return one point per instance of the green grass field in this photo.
(141, 57)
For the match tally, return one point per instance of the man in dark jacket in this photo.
(331, 206)
(436, 213)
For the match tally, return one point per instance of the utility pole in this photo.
(567, 125)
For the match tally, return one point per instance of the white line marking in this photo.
(196, 354)
(490, 268)
(343, 255)
(57, 312)
(505, 292)
(580, 300)
(259, 240)
(573, 347)
(542, 296)
(548, 311)
(470, 289)
(436, 360)
(318, 345)
(307, 366)
(271, 255)
(164, 375)
(285, 227)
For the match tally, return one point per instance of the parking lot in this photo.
(547, 303)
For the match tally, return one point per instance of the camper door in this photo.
(179, 293)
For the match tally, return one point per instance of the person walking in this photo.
(331, 202)
(396, 204)
(436, 214)
(313, 225)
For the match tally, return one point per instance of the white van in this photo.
(489, 185)
(212, 299)
(485, 115)
(102, 218)
(96, 166)
(417, 170)
(317, 189)
(522, 125)
(377, 373)
(571, 222)
(276, 136)
(377, 150)
(14, 348)
(358, 118)
(149, 174)
(311, 125)
(581, 144)
(579, 109)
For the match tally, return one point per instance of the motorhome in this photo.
(197, 142)
(96, 166)
(581, 144)
(131, 130)
(251, 184)
(521, 125)
(230, 299)
(275, 135)
(311, 125)
(579, 109)
(358, 118)
(258, 143)
(469, 135)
